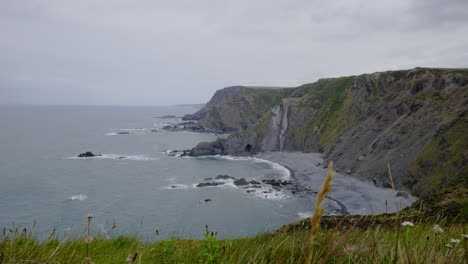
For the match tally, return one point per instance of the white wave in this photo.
(267, 193)
(79, 197)
(275, 166)
(120, 134)
(176, 187)
(118, 157)
(304, 215)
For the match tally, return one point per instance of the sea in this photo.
(134, 187)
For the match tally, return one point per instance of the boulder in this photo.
(208, 184)
(224, 177)
(208, 148)
(272, 182)
(241, 181)
(402, 194)
(88, 154)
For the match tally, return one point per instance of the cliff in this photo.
(415, 120)
(238, 107)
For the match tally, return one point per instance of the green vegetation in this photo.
(355, 241)
(420, 97)
(332, 116)
(441, 167)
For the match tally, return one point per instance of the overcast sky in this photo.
(148, 52)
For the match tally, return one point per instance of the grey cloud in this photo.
(168, 52)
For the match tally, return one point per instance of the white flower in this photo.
(448, 245)
(437, 229)
(464, 236)
(407, 223)
(455, 240)
(88, 239)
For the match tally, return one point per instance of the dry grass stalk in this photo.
(318, 211)
(398, 226)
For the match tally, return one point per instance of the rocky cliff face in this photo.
(238, 107)
(415, 120)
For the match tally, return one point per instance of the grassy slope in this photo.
(330, 94)
(351, 243)
(439, 166)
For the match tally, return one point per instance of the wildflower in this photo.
(455, 240)
(132, 257)
(407, 223)
(88, 239)
(437, 229)
(464, 236)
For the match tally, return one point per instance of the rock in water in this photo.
(88, 154)
(224, 177)
(240, 182)
(207, 184)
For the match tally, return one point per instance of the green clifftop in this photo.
(413, 119)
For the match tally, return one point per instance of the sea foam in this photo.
(118, 157)
(275, 166)
(79, 197)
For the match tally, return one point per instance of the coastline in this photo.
(353, 195)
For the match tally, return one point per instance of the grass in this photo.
(339, 244)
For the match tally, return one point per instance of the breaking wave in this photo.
(79, 197)
(286, 174)
(118, 157)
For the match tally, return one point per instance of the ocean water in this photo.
(42, 181)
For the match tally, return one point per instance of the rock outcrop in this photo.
(415, 120)
(88, 154)
(238, 107)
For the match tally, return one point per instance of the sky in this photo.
(150, 52)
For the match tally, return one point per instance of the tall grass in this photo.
(318, 210)
(332, 245)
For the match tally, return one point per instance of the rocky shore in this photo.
(307, 171)
(350, 195)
